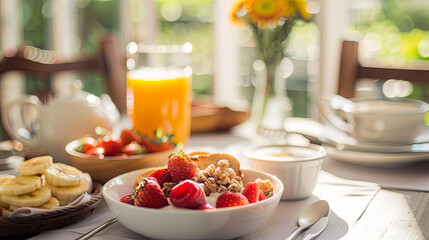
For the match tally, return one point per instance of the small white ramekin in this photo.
(297, 167)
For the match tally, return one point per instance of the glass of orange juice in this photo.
(159, 89)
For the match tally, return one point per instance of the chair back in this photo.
(352, 69)
(109, 61)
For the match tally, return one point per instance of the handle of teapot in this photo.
(17, 119)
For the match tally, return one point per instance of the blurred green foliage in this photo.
(398, 32)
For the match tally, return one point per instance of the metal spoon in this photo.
(311, 215)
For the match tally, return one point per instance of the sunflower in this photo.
(300, 6)
(237, 11)
(263, 12)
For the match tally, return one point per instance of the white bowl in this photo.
(223, 223)
(297, 167)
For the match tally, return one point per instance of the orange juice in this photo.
(160, 98)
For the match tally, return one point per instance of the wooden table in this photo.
(394, 214)
(391, 214)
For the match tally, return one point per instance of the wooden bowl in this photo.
(35, 224)
(108, 167)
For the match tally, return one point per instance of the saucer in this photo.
(342, 141)
(371, 159)
(341, 146)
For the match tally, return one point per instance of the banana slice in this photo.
(62, 175)
(5, 212)
(35, 165)
(69, 193)
(51, 203)
(20, 185)
(33, 199)
(3, 179)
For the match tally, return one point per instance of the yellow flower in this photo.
(300, 6)
(263, 12)
(237, 11)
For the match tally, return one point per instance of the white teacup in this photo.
(396, 120)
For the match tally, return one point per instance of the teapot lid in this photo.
(77, 99)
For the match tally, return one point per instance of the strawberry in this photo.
(251, 191)
(149, 194)
(86, 143)
(162, 176)
(261, 195)
(229, 199)
(95, 151)
(161, 141)
(188, 194)
(128, 199)
(129, 135)
(155, 146)
(181, 167)
(206, 206)
(132, 148)
(111, 146)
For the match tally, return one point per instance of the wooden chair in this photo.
(351, 70)
(109, 61)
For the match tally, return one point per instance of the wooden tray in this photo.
(212, 118)
(35, 224)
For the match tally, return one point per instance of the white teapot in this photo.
(65, 119)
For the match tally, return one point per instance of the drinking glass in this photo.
(159, 90)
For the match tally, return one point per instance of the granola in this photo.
(266, 186)
(219, 179)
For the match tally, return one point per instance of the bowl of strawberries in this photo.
(106, 156)
(198, 195)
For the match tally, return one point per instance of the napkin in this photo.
(28, 211)
(414, 177)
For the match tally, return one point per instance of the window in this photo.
(396, 32)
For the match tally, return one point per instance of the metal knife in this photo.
(316, 229)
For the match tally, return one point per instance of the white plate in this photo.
(334, 137)
(387, 160)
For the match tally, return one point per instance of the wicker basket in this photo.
(35, 224)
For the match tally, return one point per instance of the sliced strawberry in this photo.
(129, 135)
(229, 199)
(251, 191)
(206, 206)
(261, 195)
(149, 194)
(86, 143)
(188, 194)
(162, 176)
(127, 198)
(155, 146)
(181, 167)
(95, 151)
(161, 142)
(111, 146)
(133, 148)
